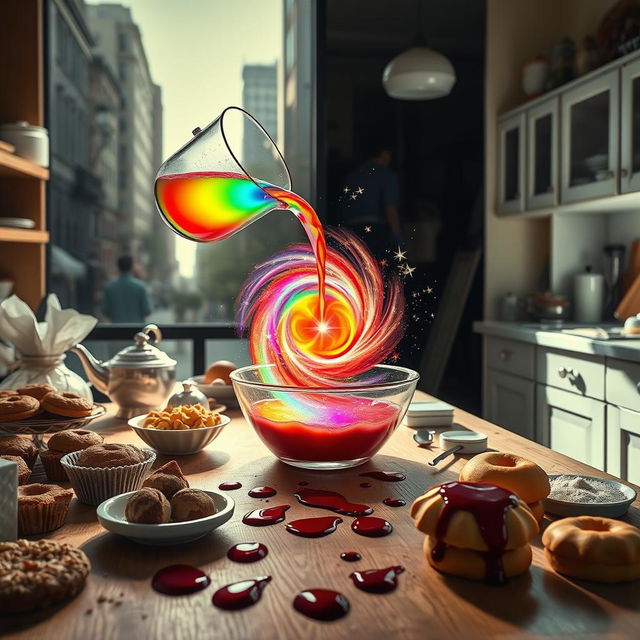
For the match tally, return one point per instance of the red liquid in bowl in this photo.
(325, 429)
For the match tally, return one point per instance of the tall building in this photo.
(119, 44)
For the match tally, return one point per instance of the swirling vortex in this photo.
(360, 327)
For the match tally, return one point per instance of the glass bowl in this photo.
(325, 428)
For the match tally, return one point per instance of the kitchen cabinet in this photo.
(510, 402)
(630, 128)
(590, 138)
(576, 372)
(511, 176)
(623, 443)
(571, 424)
(542, 155)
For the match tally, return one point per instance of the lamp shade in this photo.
(419, 74)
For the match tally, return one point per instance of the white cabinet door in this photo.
(571, 424)
(510, 402)
(590, 134)
(511, 172)
(630, 128)
(542, 155)
(623, 443)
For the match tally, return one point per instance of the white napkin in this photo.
(61, 329)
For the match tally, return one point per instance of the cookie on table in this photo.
(17, 407)
(19, 446)
(67, 404)
(24, 473)
(37, 391)
(36, 574)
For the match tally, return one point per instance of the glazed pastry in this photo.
(42, 508)
(512, 472)
(470, 521)
(24, 473)
(191, 504)
(148, 506)
(36, 574)
(168, 479)
(8, 392)
(17, 407)
(67, 404)
(596, 549)
(110, 455)
(37, 391)
(62, 443)
(19, 446)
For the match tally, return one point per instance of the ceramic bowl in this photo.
(223, 393)
(179, 442)
(111, 516)
(601, 509)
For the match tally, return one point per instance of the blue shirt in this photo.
(126, 299)
(374, 187)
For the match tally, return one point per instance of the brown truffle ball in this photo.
(168, 479)
(191, 504)
(148, 506)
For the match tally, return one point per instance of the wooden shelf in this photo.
(17, 167)
(9, 234)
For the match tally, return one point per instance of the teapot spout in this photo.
(95, 370)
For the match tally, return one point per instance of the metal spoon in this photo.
(424, 436)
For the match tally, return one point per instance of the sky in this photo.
(196, 50)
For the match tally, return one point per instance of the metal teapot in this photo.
(138, 379)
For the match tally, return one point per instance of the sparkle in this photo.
(359, 191)
(399, 254)
(415, 294)
(367, 229)
(395, 356)
(353, 196)
(433, 315)
(323, 327)
(429, 290)
(346, 190)
(408, 271)
(383, 262)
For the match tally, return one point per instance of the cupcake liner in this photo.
(41, 518)
(94, 485)
(52, 467)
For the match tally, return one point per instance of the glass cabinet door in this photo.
(542, 155)
(630, 128)
(590, 139)
(511, 169)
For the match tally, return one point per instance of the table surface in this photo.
(118, 602)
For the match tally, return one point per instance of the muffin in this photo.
(19, 446)
(24, 473)
(148, 506)
(191, 504)
(62, 443)
(42, 508)
(105, 470)
(168, 479)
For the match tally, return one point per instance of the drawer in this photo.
(623, 383)
(582, 374)
(623, 443)
(511, 356)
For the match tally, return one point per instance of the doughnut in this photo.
(37, 391)
(73, 440)
(17, 408)
(510, 471)
(472, 565)
(591, 548)
(67, 404)
(8, 392)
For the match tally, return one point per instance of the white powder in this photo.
(577, 489)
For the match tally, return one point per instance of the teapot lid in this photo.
(142, 353)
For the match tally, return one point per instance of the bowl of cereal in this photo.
(181, 430)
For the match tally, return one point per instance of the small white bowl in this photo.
(601, 509)
(111, 516)
(223, 393)
(180, 442)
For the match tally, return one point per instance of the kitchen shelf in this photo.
(17, 167)
(9, 234)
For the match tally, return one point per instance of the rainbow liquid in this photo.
(209, 206)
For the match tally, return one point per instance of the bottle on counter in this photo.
(588, 293)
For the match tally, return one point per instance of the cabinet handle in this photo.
(610, 174)
(624, 173)
(562, 372)
(638, 387)
(505, 355)
(572, 374)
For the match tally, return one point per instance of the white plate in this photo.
(111, 516)
(18, 223)
(223, 393)
(602, 509)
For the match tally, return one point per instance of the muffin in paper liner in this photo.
(44, 508)
(94, 485)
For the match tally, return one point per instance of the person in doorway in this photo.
(126, 299)
(370, 203)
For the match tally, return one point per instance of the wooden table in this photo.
(118, 601)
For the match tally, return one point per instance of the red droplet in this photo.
(179, 580)
(262, 492)
(350, 556)
(229, 486)
(247, 552)
(321, 604)
(385, 476)
(331, 500)
(314, 527)
(377, 580)
(264, 517)
(394, 502)
(371, 527)
(239, 595)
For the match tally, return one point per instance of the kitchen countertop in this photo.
(525, 332)
(118, 601)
